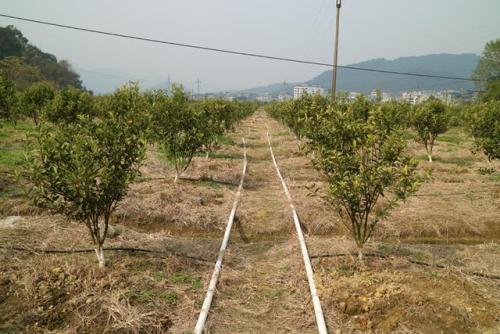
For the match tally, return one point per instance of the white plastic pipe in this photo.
(318, 311)
(202, 318)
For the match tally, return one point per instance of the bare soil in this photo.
(451, 222)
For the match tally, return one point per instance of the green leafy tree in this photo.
(488, 69)
(12, 41)
(21, 73)
(68, 105)
(430, 119)
(35, 99)
(27, 64)
(7, 98)
(219, 117)
(363, 157)
(492, 90)
(485, 128)
(83, 169)
(179, 126)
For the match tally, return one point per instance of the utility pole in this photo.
(335, 52)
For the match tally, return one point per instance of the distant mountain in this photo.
(272, 88)
(451, 65)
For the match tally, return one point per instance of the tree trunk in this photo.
(360, 255)
(176, 177)
(100, 257)
(430, 157)
(207, 155)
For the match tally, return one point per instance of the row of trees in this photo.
(361, 148)
(87, 149)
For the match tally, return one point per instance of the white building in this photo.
(265, 98)
(448, 96)
(415, 97)
(353, 96)
(383, 95)
(301, 90)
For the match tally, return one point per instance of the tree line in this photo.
(87, 149)
(361, 149)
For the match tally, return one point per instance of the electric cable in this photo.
(227, 51)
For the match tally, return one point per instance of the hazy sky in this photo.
(288, 28)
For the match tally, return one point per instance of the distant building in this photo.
(415, 97)
(265, 98)
(353, 96)
(284, 97)
(449, 96)
(383, 95)
(299, 91)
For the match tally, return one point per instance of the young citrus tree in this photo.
(485, 128)
(7, 98)
(219, 117)
(68, 104)
(430, 120)
(179, 126)
(35, 99)
(82, 169)
(362, 154)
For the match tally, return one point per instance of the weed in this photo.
(453, 139)
(180, 278)
(209, 184)
(225, 140)
(494, 177)
(149, 296)
(409, 136)
(280, 134)
(486, 171)
(275, 294)
(345, 269)
(286, 269)
(455, 161)
(224, 155)
(158, 276)
(388, 249)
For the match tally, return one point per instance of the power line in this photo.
(227, 51)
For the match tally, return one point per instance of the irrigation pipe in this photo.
(202, 318)
(92, 250)
(320, 319)
(409, 259)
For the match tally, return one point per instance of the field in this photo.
(426, 272)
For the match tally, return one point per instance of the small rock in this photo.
(10, 221)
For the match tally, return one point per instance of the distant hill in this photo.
(24, 63)
(460, 65)
(272, 88)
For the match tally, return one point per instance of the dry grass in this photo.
(394, 295)
(263, 287)
(188, 207)
(138, 293)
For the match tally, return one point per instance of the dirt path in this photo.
(263, 287)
